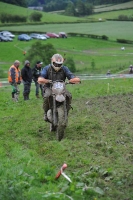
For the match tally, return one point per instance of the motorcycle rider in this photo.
(53, 72)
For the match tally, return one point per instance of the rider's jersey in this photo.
(49, 73)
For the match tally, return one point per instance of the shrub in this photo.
(123, 18)
(104, 37)
(35, 17)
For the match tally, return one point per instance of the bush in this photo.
(104, 37)
(35, 17)
(123, 18)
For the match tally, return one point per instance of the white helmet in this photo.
(57, 61)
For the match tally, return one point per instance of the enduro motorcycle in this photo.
(58, 113)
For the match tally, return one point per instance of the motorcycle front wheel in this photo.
(61, 123)
(52, 127)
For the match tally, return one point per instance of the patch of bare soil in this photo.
(113, 113)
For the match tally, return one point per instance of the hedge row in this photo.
(125, 41)
(103, 37)
(43, 23)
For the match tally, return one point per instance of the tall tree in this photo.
(80, 7)
(36, 2)
(55, 5)
(39, 51)
(70, 9)
(89, 9)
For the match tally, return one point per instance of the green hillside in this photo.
(112, 14)
(103, 11)
(47, 17)
(104, 54)
(106, 8)
(113, 11)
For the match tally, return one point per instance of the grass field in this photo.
(113, 30)
(97, 146)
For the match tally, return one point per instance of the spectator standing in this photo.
(14, 78)
(36, 71)
(26, 73)
(131, 69)
(108, 72)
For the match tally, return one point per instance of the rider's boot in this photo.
(45, 117)
(45, 108)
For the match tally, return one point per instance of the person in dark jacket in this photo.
(26, 74)
(36, 71)
(131, 69)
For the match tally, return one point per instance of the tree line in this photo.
(59, 4)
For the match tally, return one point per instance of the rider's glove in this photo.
(49, 81)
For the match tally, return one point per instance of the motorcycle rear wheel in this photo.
(61, 124)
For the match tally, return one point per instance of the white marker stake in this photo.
(64, 166)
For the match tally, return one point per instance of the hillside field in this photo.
(97, 146)
(46, 17)
(112, 29)
(111, 7)
(105, 55)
